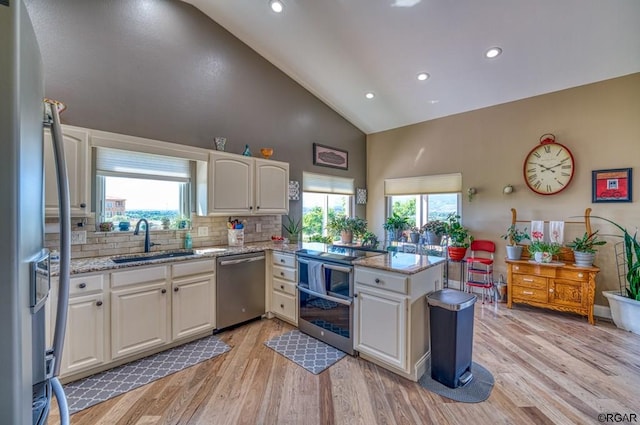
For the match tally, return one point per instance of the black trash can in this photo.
(451, 326)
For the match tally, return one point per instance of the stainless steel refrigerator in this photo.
(28, 369)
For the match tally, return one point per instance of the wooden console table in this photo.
(556, 286)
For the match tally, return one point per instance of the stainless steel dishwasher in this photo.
(240, 288)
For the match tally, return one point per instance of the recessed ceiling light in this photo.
(434, 101)
(276, 5)
(423, 76)
(493, 52)
(370, 95)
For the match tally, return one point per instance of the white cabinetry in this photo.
(77, 158)
(84, 343)
(284, 294)
(244, 185)
(193, 298)
(391, 321)
(140, 305)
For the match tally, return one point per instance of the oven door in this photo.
(337, 278)
(326, 317)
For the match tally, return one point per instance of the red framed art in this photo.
(613, 185)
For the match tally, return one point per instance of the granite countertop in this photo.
(98, 264)
(400, 262)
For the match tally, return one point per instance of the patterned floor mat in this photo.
(313, 355)
(105, 385)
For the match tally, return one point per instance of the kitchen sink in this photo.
(150, 256)
(209, 250)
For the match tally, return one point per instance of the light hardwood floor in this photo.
(549, 368)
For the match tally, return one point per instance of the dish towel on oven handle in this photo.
(556, 231)
(315, 271)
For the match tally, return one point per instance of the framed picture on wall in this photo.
(613, 185)
(327, 156)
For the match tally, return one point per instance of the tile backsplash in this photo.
(117, 243)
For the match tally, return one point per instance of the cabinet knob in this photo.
(164, 291)
(282, 306)
(83, 205)
(551, 290)
(377, 280)
(580, 275)
(258, 207)
(250, 208)
(282, 274)
(282, 260)
(82, 285)
(355, 295)
(516, 267)
(176, 289)
(98, 303)
(282, 287)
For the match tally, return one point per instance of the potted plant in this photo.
(293, 228)
(625, 303)
(542, 251)
(513, 237)
(458, 237)
(395, 225)
(370, 240)
(433, 232)
(584, 250)
(414, 234)
(347, 227)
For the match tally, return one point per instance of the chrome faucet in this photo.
(147, 240)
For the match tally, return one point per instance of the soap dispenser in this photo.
(187, 241)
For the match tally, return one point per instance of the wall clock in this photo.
(548, 168)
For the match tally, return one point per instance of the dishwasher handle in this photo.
(242, 260)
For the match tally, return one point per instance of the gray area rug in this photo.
(479, 389)
(105, 385)
(313, 355)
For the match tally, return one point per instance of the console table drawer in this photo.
(531, 294)
(573, 274)
(537, 269)
(529, 281)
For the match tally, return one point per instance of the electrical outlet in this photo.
(203, 231)
(78, 237)
(258, 227)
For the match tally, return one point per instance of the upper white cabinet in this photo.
(77, 159)
(245, 185)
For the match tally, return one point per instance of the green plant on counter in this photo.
(370, 240)
(552, 248)
(342, 223)
(319, 238)
(292, 227)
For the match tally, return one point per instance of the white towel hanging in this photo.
(315, 273)
(556, 231)
(537, 230)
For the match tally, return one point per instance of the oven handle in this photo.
(326, 297)
(330, 266)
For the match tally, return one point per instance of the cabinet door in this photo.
(230, 184)
(76, 152)
(272, 187)
(567, 293)
(380, 323)
(193, 303)
(139, 318)
(84, 338)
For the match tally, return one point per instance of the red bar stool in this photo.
(480, 268)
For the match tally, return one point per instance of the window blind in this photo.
(321, 183)
(121, 163)
(437, 183)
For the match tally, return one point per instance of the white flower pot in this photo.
(542, 257)
(625, 312)
(584, 259)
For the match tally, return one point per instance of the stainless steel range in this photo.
(325, 292)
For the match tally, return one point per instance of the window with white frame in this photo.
(324, 197)
(424, 198)
(134, 185)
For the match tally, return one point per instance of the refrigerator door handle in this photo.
(65, 236)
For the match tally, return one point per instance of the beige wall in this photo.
(599, 123)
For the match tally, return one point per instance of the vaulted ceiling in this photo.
(342, 49)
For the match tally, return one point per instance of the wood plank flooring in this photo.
(549, 368)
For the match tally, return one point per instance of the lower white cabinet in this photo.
(193, 298)
(391, 320)
(284, 292)
(85, 336)
(140, 303)
(381, 320)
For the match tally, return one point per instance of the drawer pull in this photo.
(82, 285)
(527, 280)
(282, 306)
(98, 303)
(176, 289)
(164, 291)
(527, 292)
(282, 260)
(282, 274)
(516, 268)
(551, 290)
(282, 287)
(580, 275)
(377, 280)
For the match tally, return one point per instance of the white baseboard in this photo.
(602, 311)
